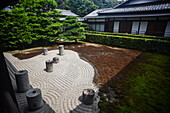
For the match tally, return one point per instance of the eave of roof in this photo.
(67, 12)
(131, 15)
(95, 12)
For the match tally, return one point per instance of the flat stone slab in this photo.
(62, 88)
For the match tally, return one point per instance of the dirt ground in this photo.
(107, 60)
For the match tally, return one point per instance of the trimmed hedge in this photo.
(131, 35)
(143, 44)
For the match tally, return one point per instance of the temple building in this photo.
(68, 13)
(144, 17)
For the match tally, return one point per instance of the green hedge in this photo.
(131, 35)
(143, 44)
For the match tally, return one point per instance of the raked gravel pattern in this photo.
(62, 88)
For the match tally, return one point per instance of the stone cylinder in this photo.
(49, 66)
(55, 60)
(22, 81)
(88, 96)
(45, 51)
(61, 49)
(34, 99)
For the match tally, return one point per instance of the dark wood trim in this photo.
(125, 26)
(156, 28)
(139, 25)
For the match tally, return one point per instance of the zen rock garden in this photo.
(60, 84)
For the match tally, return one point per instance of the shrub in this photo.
(131, 35)
(143, 44)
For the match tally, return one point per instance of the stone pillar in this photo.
(55, 60)
(61, 49)
(22, 81)
(34, 99)
(45, 51)
(49, 66)
(88, 96)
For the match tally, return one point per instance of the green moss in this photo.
(149, 85)
(146, 89)
(107, 107)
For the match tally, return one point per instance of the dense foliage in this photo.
(80, 7)
(72, 29)
(144, 44)
(106, 3)
(131, 35)
(29, 20)
(84, 7)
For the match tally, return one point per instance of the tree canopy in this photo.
(72, 29)
(106, 3)
(80, 7)
(29, 20)
(84, 7)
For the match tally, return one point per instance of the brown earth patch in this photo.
(107, 60)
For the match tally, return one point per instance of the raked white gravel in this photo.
(62, 88)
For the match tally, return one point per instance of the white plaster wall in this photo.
(116, 27)
(93, 26)
(133, 18)
(100, 20)
(91, 20)
(143, 27)
(167, 30)
(101, 27)
(135, 27)
(149, 18)
(119, 18)
(97, 27)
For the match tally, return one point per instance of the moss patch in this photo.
(145, 87)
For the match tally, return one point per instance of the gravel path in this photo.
(62, 88)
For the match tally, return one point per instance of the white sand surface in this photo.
(61, 88)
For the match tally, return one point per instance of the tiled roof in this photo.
(67, 12)
(95, 13)
(137, 2)
(139, 8)
(135, 8)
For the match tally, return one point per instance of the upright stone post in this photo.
(22, 81)
(45, 51)
(49, 66)
(88, 96)
(34, 99)
(61, 49)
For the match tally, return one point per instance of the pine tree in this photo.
(73, 29)
(28, 21)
